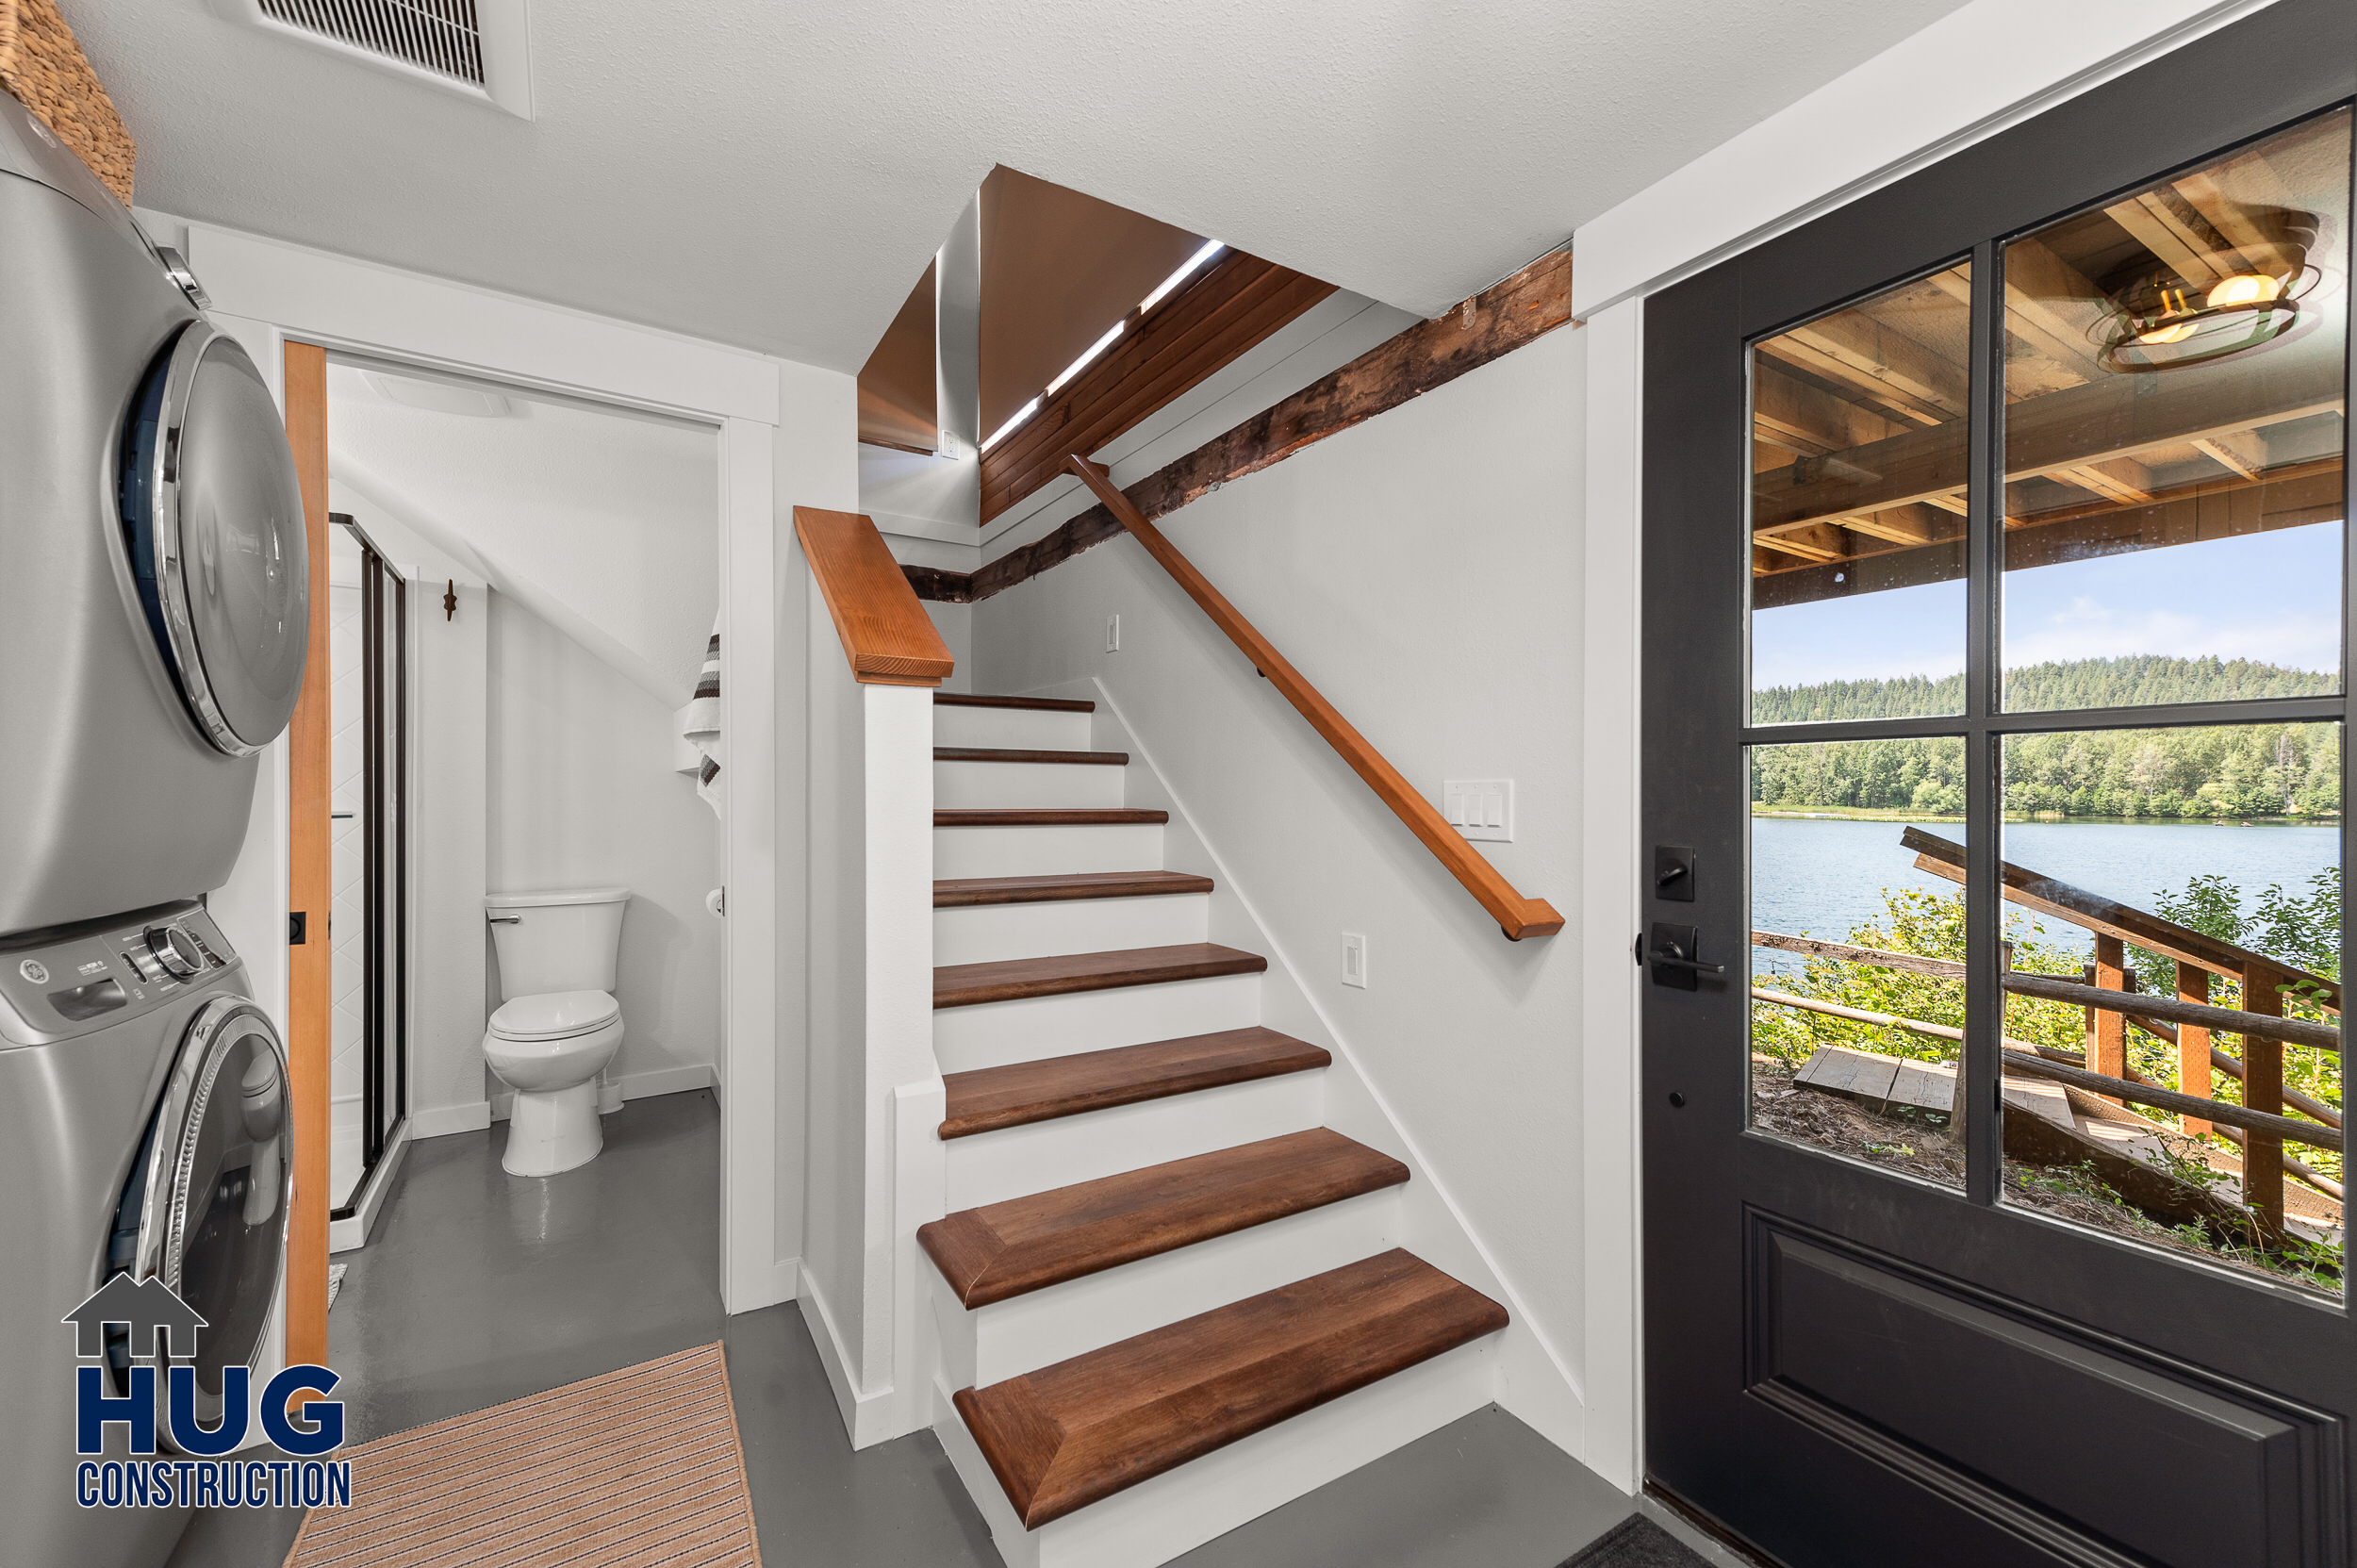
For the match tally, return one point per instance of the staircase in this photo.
(1168, 1296)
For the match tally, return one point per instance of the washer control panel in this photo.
(67, 982)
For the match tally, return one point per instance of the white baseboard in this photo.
(660, 1080)
(445, 1119)
(866, 1417)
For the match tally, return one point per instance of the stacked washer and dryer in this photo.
(154, 614)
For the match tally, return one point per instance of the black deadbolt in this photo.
(1674, 873)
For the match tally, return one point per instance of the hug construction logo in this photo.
(157, 1326)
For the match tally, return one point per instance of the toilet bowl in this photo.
(558, 1024)
(550, 1049)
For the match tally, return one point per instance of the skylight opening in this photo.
(1020, 415)
(1211, 248)
(1082, 363)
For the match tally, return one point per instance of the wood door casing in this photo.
(309, 886)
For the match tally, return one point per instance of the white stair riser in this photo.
(996, 1033)
(1016, 728)
(984, 933)
(1046, 851)
(1006, 1339)
(1158, 1519)
(991, 1167)
(996, 784)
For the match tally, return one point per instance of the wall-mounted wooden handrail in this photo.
(1516, 915)
(886, 634)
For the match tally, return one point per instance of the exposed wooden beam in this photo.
(1432, 353)
(2061, 431)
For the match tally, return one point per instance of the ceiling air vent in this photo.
(476, 48)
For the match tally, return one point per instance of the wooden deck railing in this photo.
(2186, 1020)
(1516, 915)
(887, 634)
(2111, 999)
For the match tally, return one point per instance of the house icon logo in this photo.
(154, 1368)
(152, 1314)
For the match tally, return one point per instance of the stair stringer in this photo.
(1533, 1379)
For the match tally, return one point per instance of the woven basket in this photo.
(43, 65)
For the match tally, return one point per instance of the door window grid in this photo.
(2311, 477)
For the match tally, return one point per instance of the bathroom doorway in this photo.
(368, 634)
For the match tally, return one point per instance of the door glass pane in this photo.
(1858, 956)
(2174, 437)
(2198, 866)
(1858, 458)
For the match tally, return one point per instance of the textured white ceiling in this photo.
(776, 174)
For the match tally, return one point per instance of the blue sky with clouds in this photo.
(2273, 597)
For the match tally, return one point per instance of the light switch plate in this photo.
(1112, 634)
(1481, 808)
(1354, 960)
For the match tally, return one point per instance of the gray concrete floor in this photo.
(480, 1287)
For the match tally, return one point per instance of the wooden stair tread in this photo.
(960, 892)
(1009, 754)
(1009, 978)
(1072, 1434)
(1042, 704)
(1059, 816)
(1042, 1239)
(1045, 1239)
(988, 1099)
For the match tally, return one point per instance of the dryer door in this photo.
(220, 1170)
(212, 514)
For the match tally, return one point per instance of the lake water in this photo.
(1824, 875)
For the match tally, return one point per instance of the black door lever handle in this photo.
(1664, 954)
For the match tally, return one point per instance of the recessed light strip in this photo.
(1211, 248)
(1081, 364)
(1003, 431)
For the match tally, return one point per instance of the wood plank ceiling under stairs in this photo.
(1101, 1030)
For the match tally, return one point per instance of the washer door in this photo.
(212, 514)
(219, 1170)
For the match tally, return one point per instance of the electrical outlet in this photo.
(1112, 634)
(1354, 960)
(1481, 808)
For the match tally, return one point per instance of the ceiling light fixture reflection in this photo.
(2167, 315)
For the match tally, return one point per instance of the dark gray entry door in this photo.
(1996, 605)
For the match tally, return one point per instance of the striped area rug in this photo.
(638, 1467)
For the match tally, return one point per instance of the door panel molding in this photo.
(1837, 1335)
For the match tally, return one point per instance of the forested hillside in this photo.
(2242, 770)
(2134, 681)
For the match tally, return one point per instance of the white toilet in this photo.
(558, 1025)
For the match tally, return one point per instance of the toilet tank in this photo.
(563, 941)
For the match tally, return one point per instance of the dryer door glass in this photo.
(213, 516)
(215, 1227)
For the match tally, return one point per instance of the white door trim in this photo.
(361, 308)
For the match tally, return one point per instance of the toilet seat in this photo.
(555, 1015)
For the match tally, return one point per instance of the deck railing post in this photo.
(2193, 1044)
(2263, 1090)
(2107, 1031)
